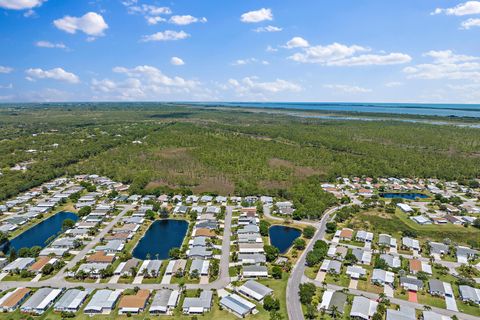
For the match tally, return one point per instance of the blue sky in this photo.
(310, 50)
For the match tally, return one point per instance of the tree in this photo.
(84, 211)
(306, 292)
(271, 252)
(476, 223)
(311, 313)
(331, 227)
(377, 316)
(24, 252)
(309, 232)
(174, 253)
(264, 226)
(47, 269)
(194, 274)
(270, 303)
(150, 215)
(35, 251)
(277, 272)
(67, 224)
(299, 244)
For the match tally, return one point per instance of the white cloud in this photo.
(167, 35)
(462, 9)
(186, 20)
(271, 49)
(263, 14)
(20, 4)
(250, 86)
(143, 82)
(4, 69)
(467, 24)
(55, 73)
(337, 54)
(268, 28)
(154, 20)
(7, 86)
(446, 65)
(91, 24)
(394, 84)
(242, 62)
(151, 13)
(343, 88)
(297, 42)
(48, 44)
(176, 61)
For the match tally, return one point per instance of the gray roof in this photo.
(41, 299)
(404, 313)
(436, 286)
(204, 301)
(439, 248)
(237, 304)
(258, 288)
(411, 281)
(255, 268)
(363, 307)
(164, 299)
(430, 315)
(71, 300)
(199, 252)
(19, 263)
(92, 267)
(469, 293)
(257, 257)
(102, 299)
(392, 261)
(338, 300)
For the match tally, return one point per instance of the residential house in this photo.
(391, 260)
(364, 236)
(254, 271)
(71, 301)
(134, 304)
(333, 300)
(469, 294)
(382, 277)
(363, 308)
(411, 283)
(164, 301)
(198, 305)
(363, 256)
(417, 265)
(411, 244)
(356, 272)
(13, 299)
(331, 266)
(102, 302)
(41, 300)
(237, 305)
(254, 290)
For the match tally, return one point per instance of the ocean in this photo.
(442, 110)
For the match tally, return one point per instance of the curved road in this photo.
(294, 308)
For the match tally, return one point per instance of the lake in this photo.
(38, 234)
(160, 237)
(282, 237)
(408, 196)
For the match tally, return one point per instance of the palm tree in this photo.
(427, 308)
(335, 312)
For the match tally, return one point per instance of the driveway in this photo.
(388, 291)
(321, 276)
(451, 303)
(114, 279)
(353, 284)
(412, 296)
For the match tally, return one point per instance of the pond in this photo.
(408, 196)
(160, 237)
(282, 237)
(41, 232)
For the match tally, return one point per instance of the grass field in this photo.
(395, 224)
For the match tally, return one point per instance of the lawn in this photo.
(395, 224)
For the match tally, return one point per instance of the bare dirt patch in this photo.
(218, 185)
(274, 184)
(298, 171)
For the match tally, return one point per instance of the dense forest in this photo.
(158, 147)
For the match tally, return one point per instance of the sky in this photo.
(223, 50)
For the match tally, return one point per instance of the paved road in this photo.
(294, 307)
(61, 274)
(399, 302)
(58, 280)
